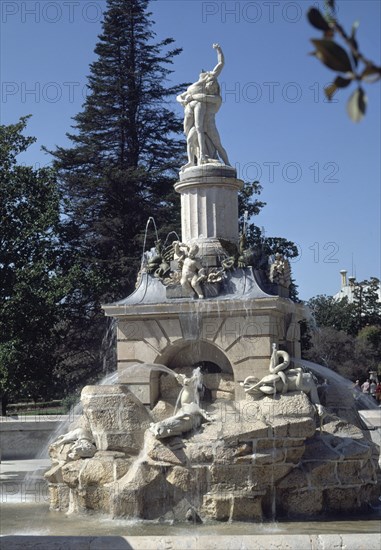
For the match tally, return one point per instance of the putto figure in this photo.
(280, 271)
(201, 101)
(193, 274)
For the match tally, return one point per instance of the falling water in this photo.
(150, 219)
(359, 400)
(108, 346)
(138, 367)
(169, 234)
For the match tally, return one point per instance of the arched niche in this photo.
(185, 353)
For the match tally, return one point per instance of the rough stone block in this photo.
(231, 476)
(320, 447)
(279, 428)
(121, 467)
(96, 498)
(293, 405)
(117, 418)
(222, 395)
(54, 475)
(300, 503)
(294, 454)
(302, 427)
(215, 507)
(269, 443)
(353, 449)
(262, 474)
(162, 410)
(143, 492)
(321, 474)
(343, 500)
(296, 479)
(70, 473)
(200, 452)
(165, 453)
(59, 497)
(348, 472)
(191, 481)
(356, 472)
(96, 471)
(273, 456)
(246, 509)
(169, 387)
(342, 429)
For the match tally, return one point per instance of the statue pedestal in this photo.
(209, 206)
(234, 331)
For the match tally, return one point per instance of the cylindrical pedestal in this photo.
(209, 203)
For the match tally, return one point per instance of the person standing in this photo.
(365, 386)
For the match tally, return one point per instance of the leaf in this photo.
(332, 55)
(356, 105)
(341, 82)
(371, 73)
(317, 19)
(330, 91)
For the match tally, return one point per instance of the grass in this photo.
(32, 408)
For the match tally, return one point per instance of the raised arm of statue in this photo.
(220, 61)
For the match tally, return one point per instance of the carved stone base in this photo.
(176, 291)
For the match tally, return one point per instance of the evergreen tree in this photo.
(123, 162)
(119, 170)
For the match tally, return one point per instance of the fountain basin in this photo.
(256, 460)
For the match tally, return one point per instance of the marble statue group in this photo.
(201, 101)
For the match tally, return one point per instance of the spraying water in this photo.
(150, 220)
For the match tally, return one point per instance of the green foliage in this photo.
(263, 248)
(331, 347)
(30, 282)
(70, 401)
(350, 61)
(124, 159)
(337, 314)
(346, 336)
(367, 303)
(368, 344)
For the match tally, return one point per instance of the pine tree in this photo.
(123, 162)
(119, 170)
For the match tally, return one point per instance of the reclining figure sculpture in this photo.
(190, 415)
(282, 379)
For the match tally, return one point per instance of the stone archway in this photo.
(185, 354)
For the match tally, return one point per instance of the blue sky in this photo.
(320, 172)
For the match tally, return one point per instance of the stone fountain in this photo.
(252, 434)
